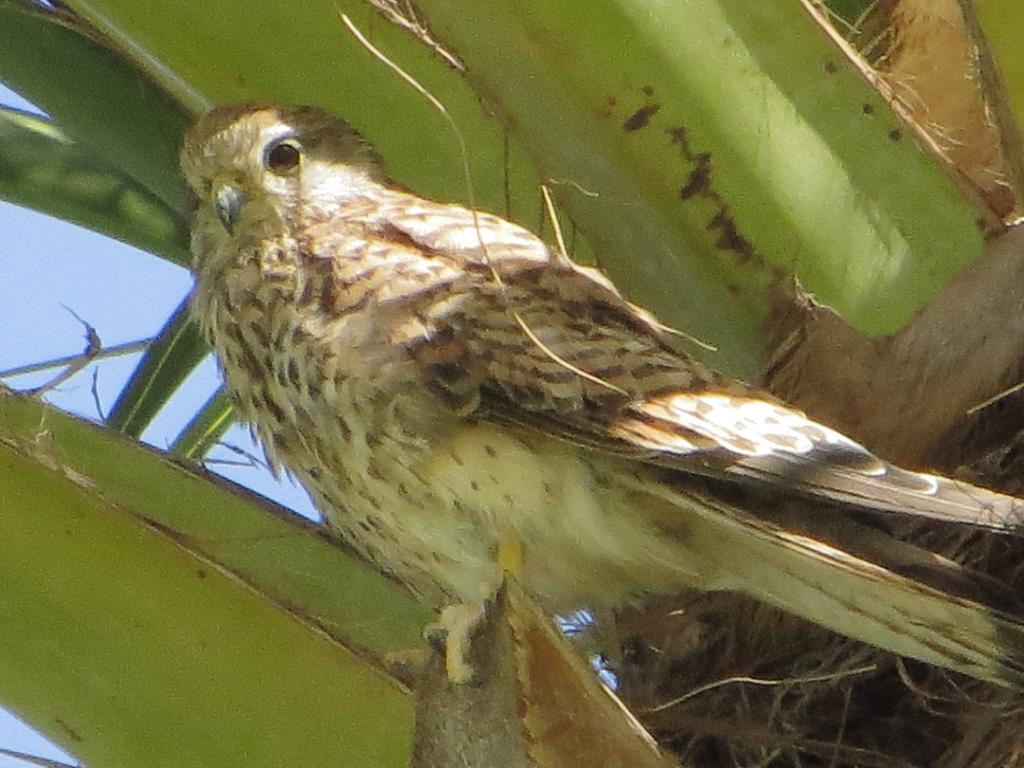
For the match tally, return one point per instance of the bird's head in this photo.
(256, 167)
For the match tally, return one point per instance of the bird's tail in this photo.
(853, 579)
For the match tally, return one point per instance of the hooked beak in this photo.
(228, 201)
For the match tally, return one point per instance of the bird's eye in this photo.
(282, 156)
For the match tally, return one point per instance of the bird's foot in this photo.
(455, 629)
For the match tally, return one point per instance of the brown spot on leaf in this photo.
(729, 237)
(699, 181)
(641, 117)
(677, 135)
(895, 134)
(831, 67)
(868, 109)
(648, 90)
(66, 728)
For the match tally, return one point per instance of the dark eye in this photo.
(282, 156)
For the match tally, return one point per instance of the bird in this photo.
(442, 382)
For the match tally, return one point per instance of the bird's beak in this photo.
(228, 201)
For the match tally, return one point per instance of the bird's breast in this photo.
(422, 492)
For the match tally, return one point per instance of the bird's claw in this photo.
(454, 629)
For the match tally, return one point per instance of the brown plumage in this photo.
(440, 380)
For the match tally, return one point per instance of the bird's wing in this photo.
(524, 337)
(756, 440)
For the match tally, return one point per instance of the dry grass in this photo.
(725, 681)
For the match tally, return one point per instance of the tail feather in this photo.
(875, 588)
(887, 488)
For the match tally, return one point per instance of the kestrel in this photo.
(440, 381)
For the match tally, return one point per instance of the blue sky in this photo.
(51, 270)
